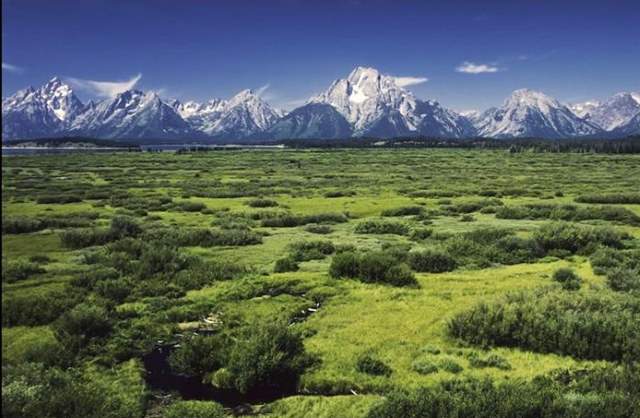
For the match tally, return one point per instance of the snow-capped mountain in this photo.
(375, 105)
(47, 111)
(365, 103)
(632, 127)
(313, 120)
(528, 113)
(243, 115)
(612, 113)
(132, 114)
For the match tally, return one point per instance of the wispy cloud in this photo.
(104, 88)
(11, 68)
(261, 91)
(472, 68)
(410, 81)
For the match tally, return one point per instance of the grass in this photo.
(349, 318)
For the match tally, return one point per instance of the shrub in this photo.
(339, 193)
(82, 238)
(556, 322)
(491, 360)
(568, 213)
(194, 409)
(572, 395)
(36, 308)
(567, 278)
(318, 229)
(424, 366)
(403, 211)
(612, 198)
(431, 261)
(382, 227)
(624, 280)
(261, 203)
(420, 234)
(285, 264)
(124, 226)
(368, 364)
(199, 273)
(450, 365)
(572, 238)
(188, 206)
(269, 356)
(58, 199)
(311, 250)
(345, 264)
(16, 270)
(216, 237)
(285, 220)
(372, 267)
(199, 355)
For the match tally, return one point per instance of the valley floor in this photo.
(105, 255)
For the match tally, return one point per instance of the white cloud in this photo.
(104, 88)
(262, 90)
(471, 68)
(11, 68)
(410, 81)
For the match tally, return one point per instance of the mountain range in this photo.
(366, 103)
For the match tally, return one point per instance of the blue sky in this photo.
(474, 53)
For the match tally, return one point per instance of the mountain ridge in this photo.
(367, 103)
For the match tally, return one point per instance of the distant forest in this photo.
(629, 145)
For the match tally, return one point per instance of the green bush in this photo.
(368, 364)
(491, 360)
(556, 322)
(372, 267)
(311, 250)
(403, 211)
(285, 220)
(424, 366)
(199, 355)
(37, 307)
(431, 261)
(194, 409)
(16, 270)
(420, 234)
(567, 278)
(382, 227)
(624, 280)
(269, 355)
(261, 203)
(612, 198)
(450, 365)
(569, 395)
(318, 229)
(285, 264)
(573, 238)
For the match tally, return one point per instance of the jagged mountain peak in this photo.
(530, 113)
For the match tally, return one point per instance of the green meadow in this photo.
(321, 283)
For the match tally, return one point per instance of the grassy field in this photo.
(105, 255)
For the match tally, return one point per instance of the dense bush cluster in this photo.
(372, 267)
(261, 203)
(610, 198)
(431, 261)
(285, 220)
(260, 357)
(552, 322)
(567, 278)
(369, 364)
(24, 225)
(568, 213)
(16, 270)
(403, 211)
(622, 268)
(382, 227)
(607, 391)
(121, 227)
